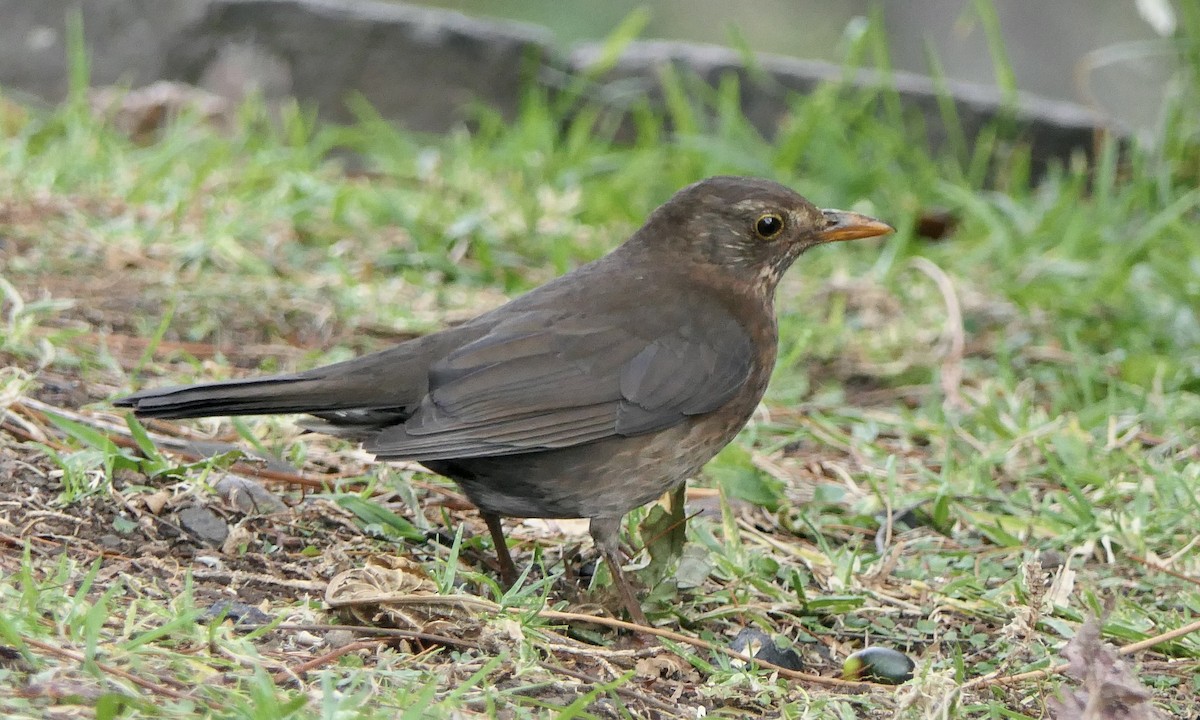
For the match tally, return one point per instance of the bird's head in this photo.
(748, 227)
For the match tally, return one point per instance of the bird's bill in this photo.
(841, 225)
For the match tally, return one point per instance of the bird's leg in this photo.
(508, 569)
(606, 532)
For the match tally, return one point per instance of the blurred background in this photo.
(1110, 55)
(1117, 58)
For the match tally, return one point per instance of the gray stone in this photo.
(1056, 129)
(239, 613)
(248, 496)
(127, 41)
(206, 525)
(424, 68)
(421, 67)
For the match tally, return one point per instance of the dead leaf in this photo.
(142, 112)
(156, 502)
(395, 591)
(238, 539)
(1109, 690)
(665, 667)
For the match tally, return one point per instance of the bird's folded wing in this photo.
(547, 383)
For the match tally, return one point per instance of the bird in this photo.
(588, 396)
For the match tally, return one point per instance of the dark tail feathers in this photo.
(256, 396)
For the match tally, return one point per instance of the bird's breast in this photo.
(608, 478)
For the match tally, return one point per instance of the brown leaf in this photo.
(395, 592)
(1109, 690)
(156, 501)
(142, 112)
(237, 540)
(665, 666)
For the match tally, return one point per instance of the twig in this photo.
(988, 681)
(314, 663)
(952, 371)
(142, 682)
(624, 691)
(1162, 568)
(1158, 639)
(239, 577)
(597, 620)
(384, 633)
(19, 542)
(703, 645)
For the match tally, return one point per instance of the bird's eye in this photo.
(768, 226)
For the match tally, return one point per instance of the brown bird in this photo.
(588, 396)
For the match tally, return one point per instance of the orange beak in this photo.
(841, 225)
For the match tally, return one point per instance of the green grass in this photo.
(1071, 439)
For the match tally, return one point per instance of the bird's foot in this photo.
(628, 597)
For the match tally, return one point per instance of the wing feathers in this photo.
(535, 384)
(511, 435)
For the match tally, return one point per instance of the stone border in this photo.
(423, 68)
(1056, 130)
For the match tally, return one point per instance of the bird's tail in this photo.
(352, 391)
(362, 393)
(254, 396)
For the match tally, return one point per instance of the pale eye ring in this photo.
(768, 225)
